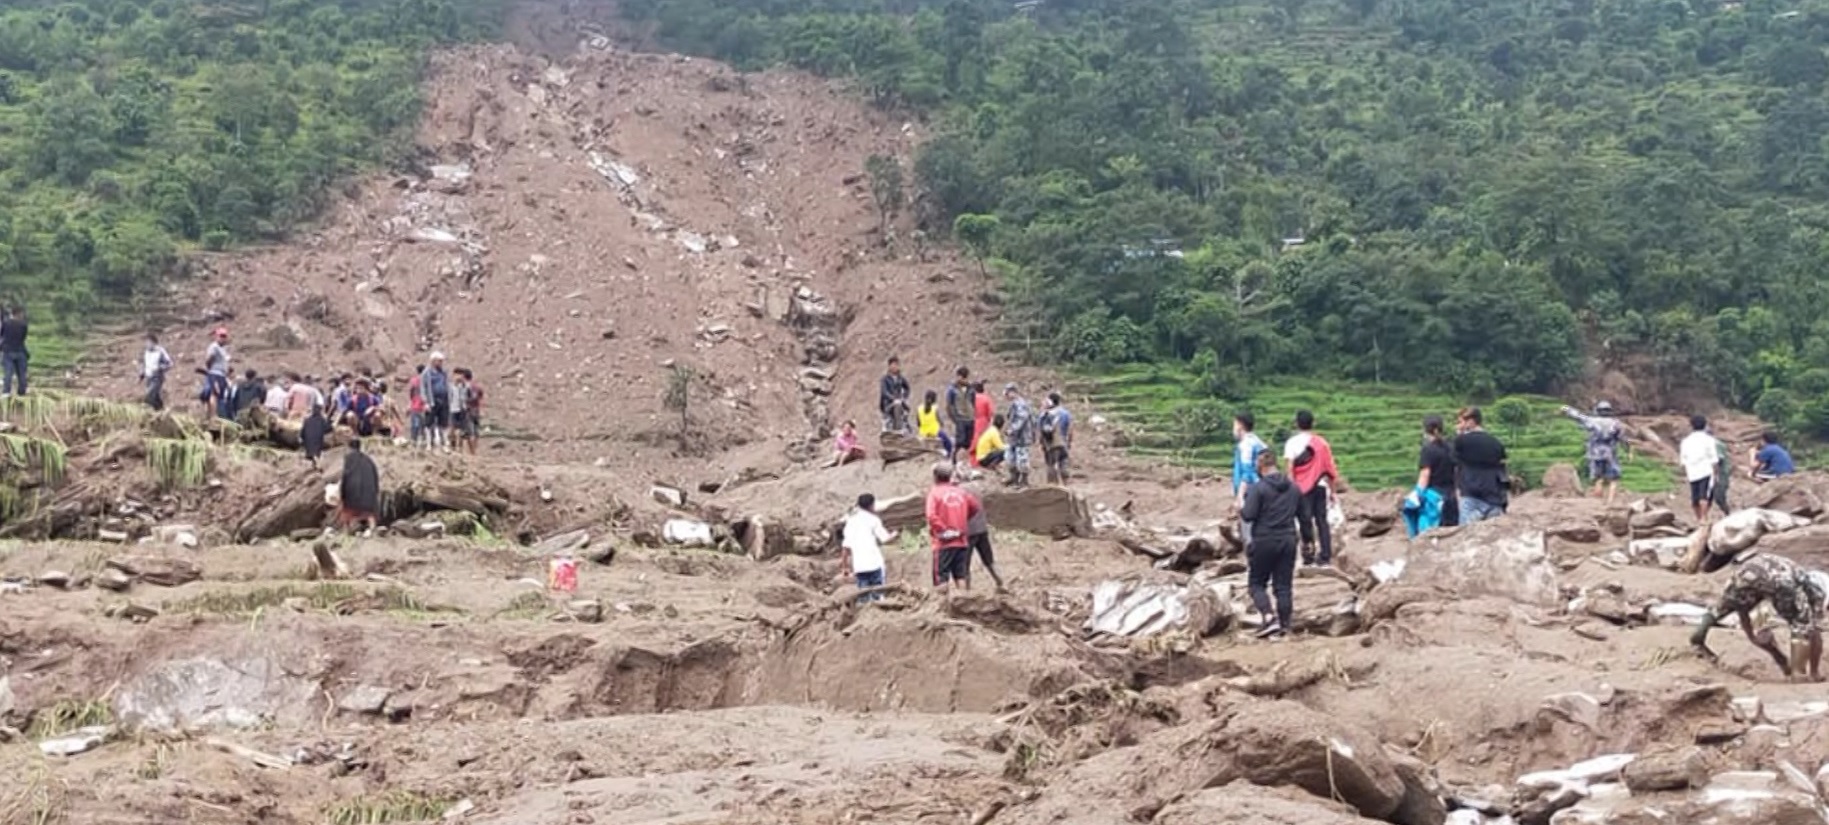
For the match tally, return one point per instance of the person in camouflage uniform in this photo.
(1797, 594)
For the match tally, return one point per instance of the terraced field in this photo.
(1375, 430)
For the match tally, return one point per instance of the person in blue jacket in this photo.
(1244, 462)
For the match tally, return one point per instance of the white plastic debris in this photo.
(686, 532)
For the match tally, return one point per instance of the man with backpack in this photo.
(1604, 436)
(1312, 468)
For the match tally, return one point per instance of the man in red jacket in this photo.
(1311, 467)
(950, 510)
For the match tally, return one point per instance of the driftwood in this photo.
(299, 508)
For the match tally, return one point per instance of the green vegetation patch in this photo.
(1376, 431)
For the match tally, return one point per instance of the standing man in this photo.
(864, 538)
(216, 396)
(1604, 437)
(154, 363)
(949, 518)
(360, 489)
(1311, 466)
(892, 398)
(1056, 438)
(1485, 482)
(416, 409)
(1018, 434)
(961, 410)
(12, 350)
(435, 386)
(1797, 595)
(1270, 507)
(1699, 456)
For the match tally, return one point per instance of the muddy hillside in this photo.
(598, 619)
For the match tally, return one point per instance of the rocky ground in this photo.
(586, 216)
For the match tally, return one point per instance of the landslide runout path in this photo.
(569, 233)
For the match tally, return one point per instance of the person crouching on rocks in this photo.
(1270, 509)
(1797, 594)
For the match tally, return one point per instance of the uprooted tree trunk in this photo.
(302, 507)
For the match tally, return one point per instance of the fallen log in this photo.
(299, 508)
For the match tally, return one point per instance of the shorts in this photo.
(952, 564)
(467, 423)
(963, 432)
(1701, 490)
(1603, 469)
(868, 579)
(439, 416)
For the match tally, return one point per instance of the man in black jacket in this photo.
(1270, 509)
(892, 399)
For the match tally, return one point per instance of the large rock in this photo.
(1275, 743)
(1561, 481)
(1652, 519)
(1672, 770)
(1808, 546)
(1788, 495)
(1741, 530)
(1048, 511)
(1491, 558)
(212, 692)
(1244, 802)
(1150, 604)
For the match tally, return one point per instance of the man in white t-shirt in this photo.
(1699, 455)
(863, 548)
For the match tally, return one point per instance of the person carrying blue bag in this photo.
(1433, 503)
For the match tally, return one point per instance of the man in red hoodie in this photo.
(950, 510)
(1311, 467)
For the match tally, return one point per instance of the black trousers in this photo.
(1311, 516)
(1272, 562)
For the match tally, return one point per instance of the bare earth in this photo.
(588, 216)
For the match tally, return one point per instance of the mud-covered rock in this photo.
(1808, 546)
(1669, 770)
(1788, 495)
(242, 692)
(1273, 743)
(1744, 528)
(1244, 802)
(1047, 511)
(1491, 558)
(1561, 481)
(1652, 519)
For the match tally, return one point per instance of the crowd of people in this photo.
(443, 410)
(969, 430)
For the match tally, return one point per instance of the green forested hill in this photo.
(131, 130)
(1482, 189)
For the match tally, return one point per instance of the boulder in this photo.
(1490, 558)
(1808, 546)
(1258, 805)
(1048, 511)
(1741, 530)
(367, 700)
(1577, 533)
(1667, 553)
(1672, 770)
(1789, 496)
(1248, 740)
(1561, 481)
(1422, 802)
(1151, 604)
(1652, 519)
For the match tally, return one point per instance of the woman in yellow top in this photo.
(990, 445)
(927, 422)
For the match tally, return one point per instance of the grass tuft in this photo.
(400, 806)
(70, 715)
(333, 596)
(36, 798)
